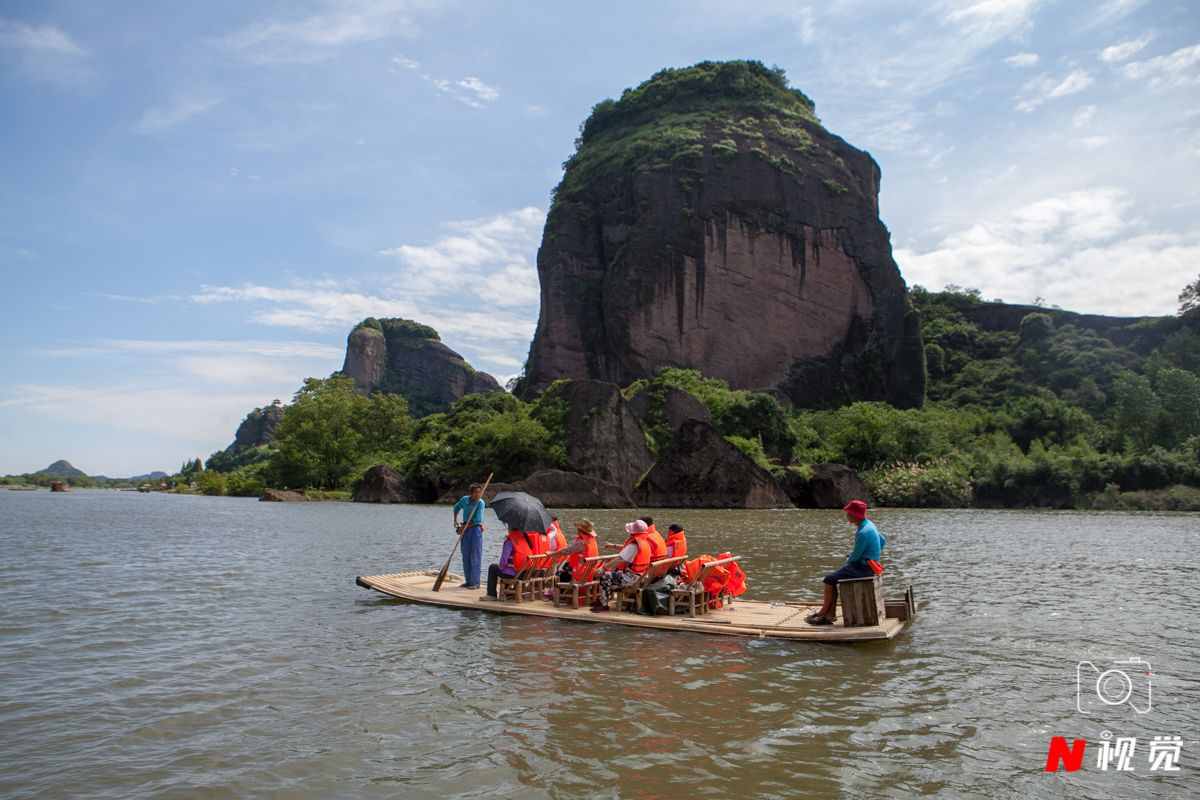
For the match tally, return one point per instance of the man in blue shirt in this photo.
(868, 546)
(471, 506)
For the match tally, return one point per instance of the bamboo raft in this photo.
(741, 618)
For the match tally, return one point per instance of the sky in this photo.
(200, 200)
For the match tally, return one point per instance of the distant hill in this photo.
(63, 469)
(157, 475)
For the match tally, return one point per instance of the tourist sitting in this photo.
(555, 540)
(868, 545)
(514, 557)
(658, 547)
(584, 546)
(676, 542)
(631, 563)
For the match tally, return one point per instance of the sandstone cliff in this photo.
(708, 220)
(404, 357)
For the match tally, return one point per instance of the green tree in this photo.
(211, 483)
(1189, 298)
(1179, 391)
(1137, 409)
(319, 438)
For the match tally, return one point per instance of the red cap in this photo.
(856, 509)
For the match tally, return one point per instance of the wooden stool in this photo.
(689, 598)
(862, 601)
(576, 595)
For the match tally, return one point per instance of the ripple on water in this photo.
(172, 646)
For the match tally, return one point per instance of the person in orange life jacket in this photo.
(658, 547)
(676, 542)
(584, 546)
(868, 545)
(514, 556)
(632, 562)
(555, 540)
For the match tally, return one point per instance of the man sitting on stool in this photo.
(868, 545)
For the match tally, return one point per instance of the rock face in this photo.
(708, 220)
(282, 496)
(604, 439)
(831, 486)
(702, 470)
(404, 357)
(258, 428)
(382, 484)
(559, 489)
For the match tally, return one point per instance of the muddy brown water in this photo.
(165, 646)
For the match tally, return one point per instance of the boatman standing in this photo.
(471, 507)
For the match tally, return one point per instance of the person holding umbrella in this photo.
(527, 521)
(471, 530)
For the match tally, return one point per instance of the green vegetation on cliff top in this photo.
(665, 121)
(399, 327)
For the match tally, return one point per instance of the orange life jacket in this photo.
(642, 559)
(676, 544)
(658, 548)
(537, 542)
(590, 550)
(520, 550)
(555, 539)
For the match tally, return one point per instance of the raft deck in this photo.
(741, 618)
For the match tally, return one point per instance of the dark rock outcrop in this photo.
(258, 428)
(708, 220)
(399, 356)
(702, 470)
(559, 489)
(382, 484)
(604, 439)
(830, 486)
(282, 496)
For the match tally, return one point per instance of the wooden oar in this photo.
(437, 584)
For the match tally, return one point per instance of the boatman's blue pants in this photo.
(472, 554)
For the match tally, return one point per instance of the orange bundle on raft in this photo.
(727, 579)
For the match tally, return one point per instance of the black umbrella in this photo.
(521, 511)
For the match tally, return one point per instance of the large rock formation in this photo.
(702, 470)
(258, 428)
(828, 486)
(559, 489)
(672, 408)
(604, 439)
(708, 220)
(382, 484)
(404, 357)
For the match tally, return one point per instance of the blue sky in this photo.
(200, 200)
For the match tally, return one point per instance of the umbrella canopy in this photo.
(522, 511)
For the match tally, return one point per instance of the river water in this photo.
(173, 646)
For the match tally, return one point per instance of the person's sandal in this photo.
(818, 619)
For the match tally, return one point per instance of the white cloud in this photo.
(1093, 142)
(1022, 60)
(405, 63)
(201, 417)
(1045, 88)
(317, 37)
(476, 250)
(1083, 116)
(1111, 11)
(480, 90)
(1081, 250)
(1179, 68)
(1124, 51)
(38, 38)
(172, 347)
(179, 110)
